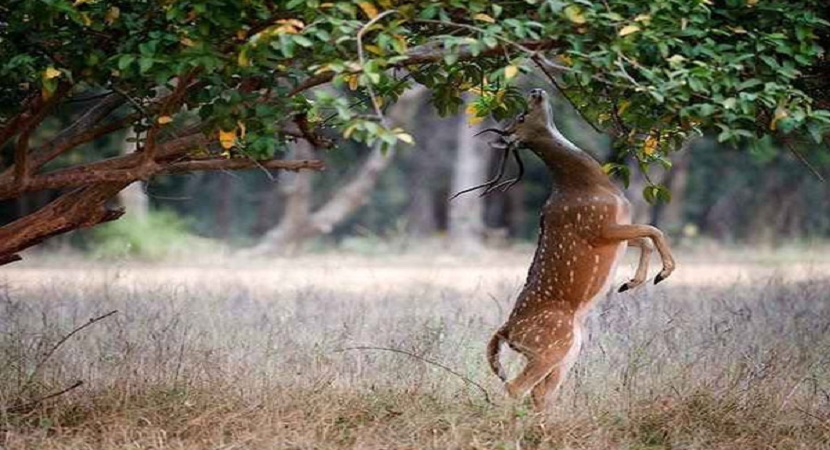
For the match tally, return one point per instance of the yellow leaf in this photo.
(243, 59)
(629, 29)
(112, 15)
(472, 111)
(227, 138)
(85, 19)
(650, 146)
(406, 137)
(780, 113)
(353, 82)
(574, 14)
(484, 18)
(751, 2)
(676, 59)
(369, 9)
(241, 34)
(347, 133)
(623, 107)
(645, 18)
(284, 29)
(608, 167)
(374, 49)
(51, 73)
(242, 129)
(323, 68)
(566, 60)
(163, 120)
(510, 72)
(402, 42)
(476, 90)
(386, 4)
(186, 41)
(326, 5)
(293, 22)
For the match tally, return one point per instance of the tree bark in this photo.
(428, 173)
(97, 183)
(292, 229)
(466, 214)
(299, 222)
(133, 198)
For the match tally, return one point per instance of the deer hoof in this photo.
(624, 288)
(660, 277)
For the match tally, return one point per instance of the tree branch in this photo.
(539, 63)
(21, 159)
(29, 122)
(80, 132)
(241, 164)
(168, 106)
(83, 207)
(93, 173)
(426, 55)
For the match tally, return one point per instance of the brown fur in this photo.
(584, 227)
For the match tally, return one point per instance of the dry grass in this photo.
(259, 359)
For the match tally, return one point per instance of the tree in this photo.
(218, 84)
(299, 223)
(466, 212)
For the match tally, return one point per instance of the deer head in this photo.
(535, 120)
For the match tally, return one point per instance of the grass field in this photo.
(340, 351)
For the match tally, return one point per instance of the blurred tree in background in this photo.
(214, 85)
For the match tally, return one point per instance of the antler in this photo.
(496, 182)
(499, 173)
(507, 184)
(493, 130)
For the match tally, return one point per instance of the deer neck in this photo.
(569, 165)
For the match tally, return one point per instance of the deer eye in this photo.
(521, 118)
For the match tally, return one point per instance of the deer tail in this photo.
(493, 348)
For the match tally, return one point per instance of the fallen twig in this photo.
(29, 405)
(466, 380)
(57, 345)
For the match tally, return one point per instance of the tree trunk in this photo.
(224, 205)
(670, 217)
(299, 223)
(296, 192)
(133, 198)
(428, 170)
(466, 214)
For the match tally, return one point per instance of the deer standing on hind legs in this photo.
(585, 228)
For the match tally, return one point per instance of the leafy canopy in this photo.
(649, 71)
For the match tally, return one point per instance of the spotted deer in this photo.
(585, 228)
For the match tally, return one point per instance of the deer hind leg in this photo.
(617, 233)
(642, 266)
(546, 390)
(544, 355)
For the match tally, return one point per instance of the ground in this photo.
(339, 351)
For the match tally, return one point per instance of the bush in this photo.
(159, 235)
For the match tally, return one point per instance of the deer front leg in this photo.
(642, 266)
(617, 233)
